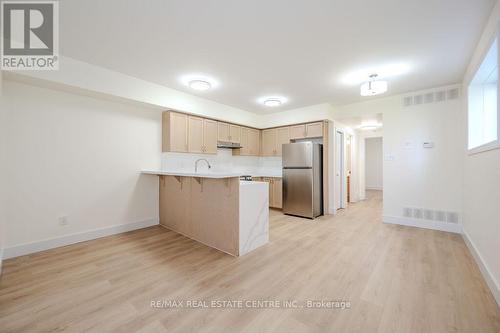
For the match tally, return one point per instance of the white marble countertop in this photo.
(216, 174)
(191, 174)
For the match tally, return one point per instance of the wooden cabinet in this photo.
(202, 135)
(250, 142)
(203, 209)
(275, 192)
(282, 137)
(234, 133)
(269, 142)
(273, 139)
(312, 130)
(195, 134)
(175, 132)
(254, 142)
(210, 136)
(228, 132)
(298, 131)
(223, 132)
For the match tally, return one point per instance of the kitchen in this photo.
(250, 166)
(224, 202)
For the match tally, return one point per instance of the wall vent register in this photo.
(431, 97)
(431, 215)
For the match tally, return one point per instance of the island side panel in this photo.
(204, 209)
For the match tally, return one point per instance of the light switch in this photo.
(428, 144)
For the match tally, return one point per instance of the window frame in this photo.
(496, 143)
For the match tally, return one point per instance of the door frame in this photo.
(340, 194)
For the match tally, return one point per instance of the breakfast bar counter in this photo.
(216, 209)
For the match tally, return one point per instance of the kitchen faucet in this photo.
(198, 160)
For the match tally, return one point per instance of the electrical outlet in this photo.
(63, 220)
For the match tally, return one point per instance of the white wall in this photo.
(300, 115)
(481, 178)
(76, 156)
(413, 176)
(83, 77)
(2, 171)
(373, 164)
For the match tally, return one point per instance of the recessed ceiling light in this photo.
(199, 85)
(273, 101)
(373, 86)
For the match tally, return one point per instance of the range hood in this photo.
(229, 145)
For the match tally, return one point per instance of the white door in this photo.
(339, 170)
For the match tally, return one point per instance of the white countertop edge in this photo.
(191, 174)
(206, 175)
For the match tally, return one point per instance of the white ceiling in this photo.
(295, 48)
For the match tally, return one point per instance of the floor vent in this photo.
(431, 215)
(431, 97)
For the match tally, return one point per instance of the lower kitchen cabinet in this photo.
(275, 191)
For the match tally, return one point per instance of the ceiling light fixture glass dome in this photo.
(199, 85)
(373, 86)
(273, 102)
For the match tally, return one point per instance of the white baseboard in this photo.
(374, 188)
(1, 260)
(426, 224)
(47, 244)
(483, 267)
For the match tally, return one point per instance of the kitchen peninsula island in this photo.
(216, 209)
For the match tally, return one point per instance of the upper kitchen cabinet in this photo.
(228, 132)
(174, 132)
(210, 136)
(282, 137)
(223, 132)
(298, 131)
(273, 139)
(250, 142)
(234, 133)
(202, 135)
(312, 130)
(269, 142)
(195, 134)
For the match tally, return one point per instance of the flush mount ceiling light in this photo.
(199, 85)
(199, 82)
(371, 126)
(272, 102)
(373, 86)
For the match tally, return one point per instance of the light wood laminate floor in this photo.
(397, 279)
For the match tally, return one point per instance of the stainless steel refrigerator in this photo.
(303, 179)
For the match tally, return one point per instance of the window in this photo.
(483, 108)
